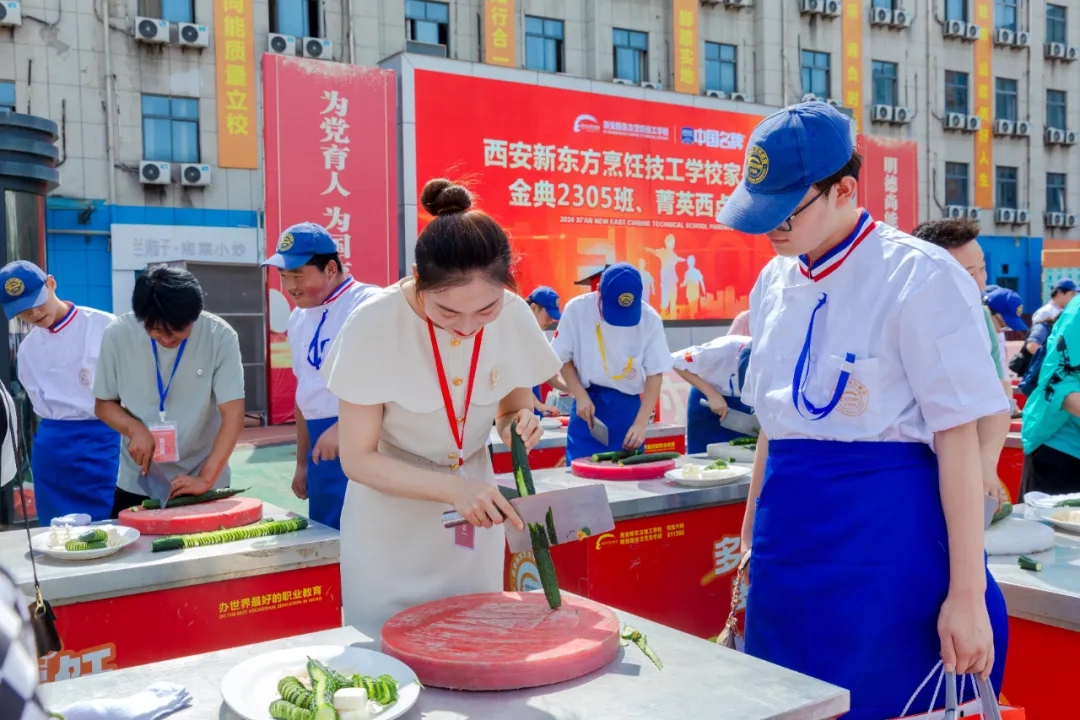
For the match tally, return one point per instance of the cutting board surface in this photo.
(586, 468)
(204, 517)
(502, 641)
(1016, 536)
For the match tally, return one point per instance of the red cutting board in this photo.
(215, 515)
(502, 641)
(586, 468)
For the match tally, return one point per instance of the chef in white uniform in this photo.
(75, 457)
(312, 275)
(870, 367)
(715, 372)
(422, 371)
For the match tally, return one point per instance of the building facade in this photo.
(133, 82)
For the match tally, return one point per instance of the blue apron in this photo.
(75, 465)
(616, 409)
(536, 392)
(326, 481)
(849, 570)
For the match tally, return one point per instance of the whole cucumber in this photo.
(649, 458)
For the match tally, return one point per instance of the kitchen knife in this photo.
(599, 431)
(155, 485)
(990, 508)
(575, 513)
(739, 422)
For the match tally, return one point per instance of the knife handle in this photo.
(452, 519)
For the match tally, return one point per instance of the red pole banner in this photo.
(889, 181)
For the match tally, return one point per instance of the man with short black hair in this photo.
(170, 380)
(1061, 294)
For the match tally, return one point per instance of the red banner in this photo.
(582, 179)
(331, 156)
(889, 181)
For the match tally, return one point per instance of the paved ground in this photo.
(268, 471)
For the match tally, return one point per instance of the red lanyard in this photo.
(458, 429)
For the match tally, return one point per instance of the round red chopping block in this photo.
(502, 641)
(204, 517)
(586, 468)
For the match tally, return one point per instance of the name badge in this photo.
(465, 536)
(166, 447)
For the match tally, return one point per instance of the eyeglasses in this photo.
(786, 226)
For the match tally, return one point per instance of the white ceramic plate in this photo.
(125, 535)
(251, 686)
(551, 423)
(724, 477)
(1067, 519)
(727, 451)
(1042, 501)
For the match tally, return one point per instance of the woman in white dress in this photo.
(422, 371)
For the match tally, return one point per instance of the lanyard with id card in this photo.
(166, 446)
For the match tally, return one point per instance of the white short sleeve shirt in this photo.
(716, 362)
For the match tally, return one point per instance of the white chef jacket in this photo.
(57, 365)
(910, 316)
(645, 345)
(314, 400)
(716, 362)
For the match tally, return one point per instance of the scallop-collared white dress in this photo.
(395, 553)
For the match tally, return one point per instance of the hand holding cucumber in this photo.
(190, 485)
(635, 436)
(528, 428)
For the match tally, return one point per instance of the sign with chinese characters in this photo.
(889, 180)
(685, 45)
(234, 47)
(982, 100)
(851, 31)
(500, 35)
(136, 246)
(331, 157)
(597, 179)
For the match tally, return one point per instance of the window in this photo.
(1005, 107)
(1005, 14)
(543, 44)
(883, 5)
(956, 184)
(170, 129)
(1055, 109)
(1008, 191)
(7, 96)
(1055, 192)
(176, 11)
(1056, 24)
(631, 54)
(956, 92)
(884, 74)
(956, 10)
(299, 18)
(720, 68)
(428, 22)
(815, 73)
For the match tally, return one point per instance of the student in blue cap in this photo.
(544, 303)
(75, 456)
(614, 355)
(715, 372)
(313, 277)
(869, 370)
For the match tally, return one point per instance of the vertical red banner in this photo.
(889, 181)
(331, 158)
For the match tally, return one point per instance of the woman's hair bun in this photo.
(440, 197)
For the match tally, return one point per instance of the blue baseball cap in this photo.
(1007, 304)
(24, 287)
(620, 295)
(1063, 285)
(789, 151)
(548, 299)
(299, 244)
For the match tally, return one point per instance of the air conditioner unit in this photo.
(1072, 53)
(901, 18)
(955, 28)
(1004, 127)
(318, 48)
(831, 8)
(738, 3)
(1070, 221)
(810, 97)
(1054, 219)
(710, 2)
(955, 121)
(651, 85)
(194, 175)
(192, 35)
(155, 173)
(955, 211)
(1023, 39)
(149, 30)
(1004, 216)
(1070, 137)
(622, 81)
(281, 44)
(1023, 217)
(974, 123)
(880, 16)
(10, 14)
(1054, 136)
(1055, 50)
(881, 113)
(1022, 128)
(973, 31)
(811, 7)
(974, 213)
(741, 97)
(1004, 36)
(901, 115)
(716, 94)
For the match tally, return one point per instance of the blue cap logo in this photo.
(626, 299)
(287, 242)
(14, 287)
(757, 165)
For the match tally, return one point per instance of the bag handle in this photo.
(984, 692)
(727, 635)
